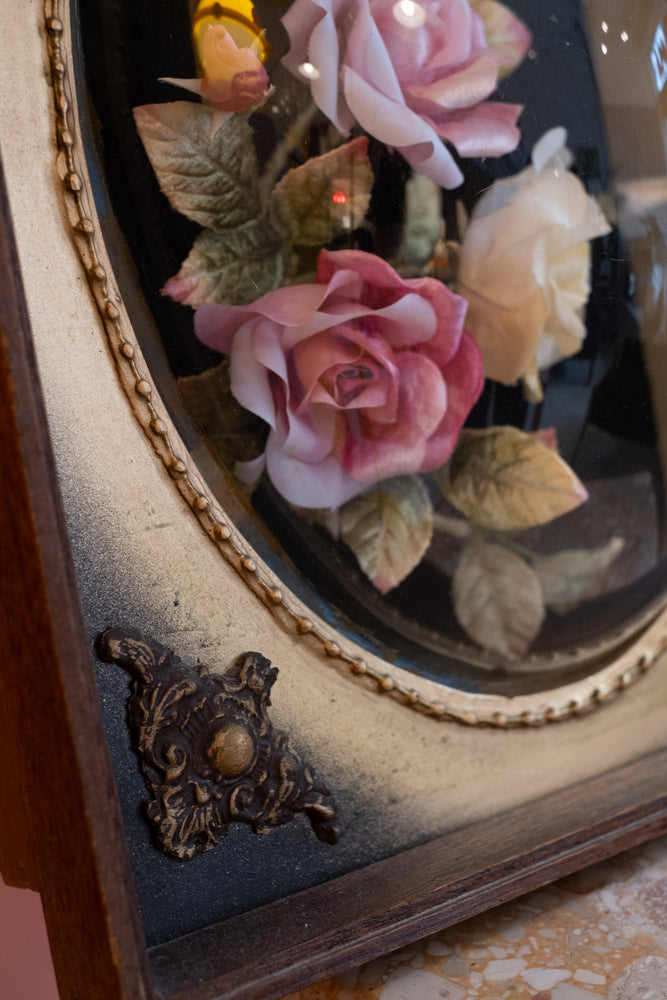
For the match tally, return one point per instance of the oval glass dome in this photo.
(398, 271)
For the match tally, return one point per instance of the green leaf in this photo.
(236, 434)
(302, 203)
(210, 178)
(234, 268)
(497, 599)
(389, 529)
(506, 480)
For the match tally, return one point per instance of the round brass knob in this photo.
(231, 750)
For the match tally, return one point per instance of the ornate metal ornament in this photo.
(207, 750)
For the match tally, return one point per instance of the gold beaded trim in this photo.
(564, 703)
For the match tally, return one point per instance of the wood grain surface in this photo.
(359, 916)
(61, 830)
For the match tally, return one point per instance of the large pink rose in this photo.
(360, 376)
(410, 74)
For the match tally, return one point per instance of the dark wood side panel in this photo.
(280, 947)
(61, 830)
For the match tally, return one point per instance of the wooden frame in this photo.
(62, 830)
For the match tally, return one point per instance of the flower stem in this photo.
(281, 154)
(459, 528)
(455, 526)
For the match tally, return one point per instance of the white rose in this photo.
(524, 265)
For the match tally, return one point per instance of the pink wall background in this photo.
(26, 970)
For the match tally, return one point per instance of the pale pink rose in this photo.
(410, 73)
(524, 265)
(360, 376)
(234, 78)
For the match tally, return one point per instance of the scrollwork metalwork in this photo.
(208, 752)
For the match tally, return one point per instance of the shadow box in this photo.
(333, 425)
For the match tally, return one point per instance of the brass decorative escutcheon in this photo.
(232, 749)
(207, 750)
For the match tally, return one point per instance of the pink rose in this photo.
(410, 74)
(234, 78)
(360, 376)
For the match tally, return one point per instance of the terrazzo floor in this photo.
(601, 933)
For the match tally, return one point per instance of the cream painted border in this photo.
(436, 700)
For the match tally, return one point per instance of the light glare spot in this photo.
(624, 36)
(605, 27)
(409, 14)
(309, 71)
(604, 49)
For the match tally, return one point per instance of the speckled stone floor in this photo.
(601, 933)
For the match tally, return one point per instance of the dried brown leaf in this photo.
(506, 480)
(497, 599)
(389, 529)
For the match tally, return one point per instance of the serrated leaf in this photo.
(575, 575)
(235, 268)
(497, 599)
(506, 480)
(210, 178)
(389, 529)
(236, 434)
(303, 205)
